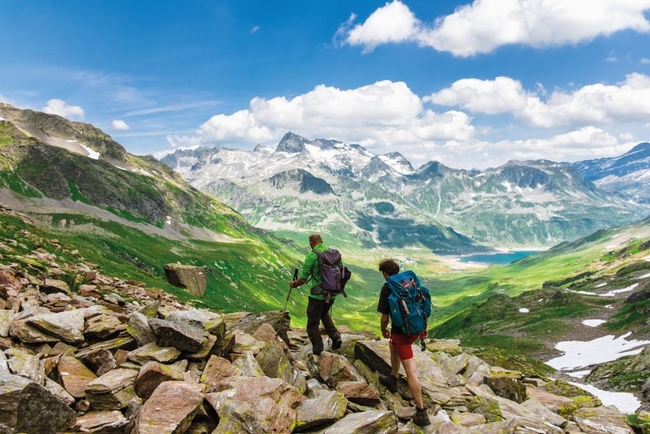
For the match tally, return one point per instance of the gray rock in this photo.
(28, 407)
(178, 334)
(329, 406)
(372, 421)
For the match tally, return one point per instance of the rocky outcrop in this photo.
(103, 355)
(191, 278)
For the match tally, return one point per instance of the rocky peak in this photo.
(292, 143)
(58, 131)
(262, 149)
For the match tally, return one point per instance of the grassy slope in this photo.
(492, 317)
(252, 273)
(248, 275)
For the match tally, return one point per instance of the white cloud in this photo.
(376, 116)
(628, 101)
(119, 124)
(61, 108)
(486, 25)
(501, 95)
(645, 61)
(581, 144)
(387, 116)
(392, 23)
(171, 108)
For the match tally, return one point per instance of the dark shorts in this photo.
(403, 345)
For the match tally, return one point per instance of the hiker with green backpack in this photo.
(324, 269)
(406, 305)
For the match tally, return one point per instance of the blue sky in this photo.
(468, 84)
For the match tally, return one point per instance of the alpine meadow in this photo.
(185, 188)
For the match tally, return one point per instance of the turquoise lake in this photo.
(501, 258)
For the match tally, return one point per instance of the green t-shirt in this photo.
(311, 269)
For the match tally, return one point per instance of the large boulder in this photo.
(191, 278)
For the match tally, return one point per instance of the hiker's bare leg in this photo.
(394, 360)
(413, 381)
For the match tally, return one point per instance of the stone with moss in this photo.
(487, 407)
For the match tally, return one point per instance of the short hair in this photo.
(389, 266)
(315, 239)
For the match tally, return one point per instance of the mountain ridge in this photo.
(625, 174)
(531, 204)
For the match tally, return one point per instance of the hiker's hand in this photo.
(386, 334)
(292, 284)
(424, 334)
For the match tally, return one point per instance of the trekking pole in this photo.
(295, 277)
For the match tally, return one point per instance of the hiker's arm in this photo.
(306, 269)
(297, 283)
(384, 325)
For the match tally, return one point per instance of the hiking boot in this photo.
(337, 342)
(421, 418)
(390, 381)
(315, 358)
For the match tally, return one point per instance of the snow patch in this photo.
(91, 154)
(618, 291)
(607, 294)
(625, 402)
(579, 354)
(579, 374)
(593, 322)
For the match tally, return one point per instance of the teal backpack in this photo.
(409, 301)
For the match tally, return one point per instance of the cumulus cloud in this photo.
(503, 94)
(376, 116)
(120, 125)
(628, 101)
(392, 23)
(594, 121)
(584, 143)
(486, 25)
(61, 108)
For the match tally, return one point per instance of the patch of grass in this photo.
(631, 315)
(126, 215)
(629, 381)
(502, 342)
(509, 359)
(76, 195)
(16, 184)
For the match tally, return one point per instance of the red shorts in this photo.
(402, 345)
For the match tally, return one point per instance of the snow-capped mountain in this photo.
(628, 174)
(343, 189)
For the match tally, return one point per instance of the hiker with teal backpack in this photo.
(406, 305)
(324, 269)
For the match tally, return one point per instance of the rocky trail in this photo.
(114, 356)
